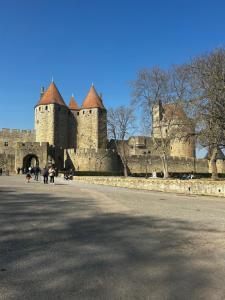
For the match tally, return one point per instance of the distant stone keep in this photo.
(73, 137)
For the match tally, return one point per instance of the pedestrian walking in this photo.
(45, 175)
(52, 174)
(28, 177)
(36, 172)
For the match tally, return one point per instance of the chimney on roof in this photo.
(42, 92)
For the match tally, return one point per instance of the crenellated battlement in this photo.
(30, 145)
(16, 131)
(93, 153)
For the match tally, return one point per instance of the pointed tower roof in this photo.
(73, 103)
(51, 96)
(92, 100)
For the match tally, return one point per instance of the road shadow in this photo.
(65, 248)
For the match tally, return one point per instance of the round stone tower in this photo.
(169, 121)
(92, 122)
(51, 118)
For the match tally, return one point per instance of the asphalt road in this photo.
(81, 241)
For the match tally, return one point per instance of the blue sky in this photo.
(104, 42)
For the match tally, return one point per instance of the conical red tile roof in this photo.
(92, 100)
(73, 104)
(51, 96)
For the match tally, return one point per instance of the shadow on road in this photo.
(63, 248)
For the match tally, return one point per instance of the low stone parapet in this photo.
(190, 187)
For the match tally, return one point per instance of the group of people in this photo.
(46, 172)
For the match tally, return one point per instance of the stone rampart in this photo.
(10, 137)
(140, 164)
(7, 162)
(92, 160)
(189, 187)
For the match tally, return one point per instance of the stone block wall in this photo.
(10, 137)
(92, 129)
(39, 150)
(182, 147)
(51, 124)
(7, 162)
(102, 129)
(72, 129)
(139, 164)
(45, 123)
(189, 187)
(61, 126)
(92, 160)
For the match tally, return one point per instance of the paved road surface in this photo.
(80, 241)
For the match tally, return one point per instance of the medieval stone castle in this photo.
(75, 137)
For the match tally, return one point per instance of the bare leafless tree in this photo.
(166, 90)
(208, 83)
(121, 122)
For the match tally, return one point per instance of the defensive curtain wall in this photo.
(139, 164)
(91, 160)
(10, 137)
(41, 154)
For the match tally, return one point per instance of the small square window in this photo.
(6, 144)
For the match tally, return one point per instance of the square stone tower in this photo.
(92, 122)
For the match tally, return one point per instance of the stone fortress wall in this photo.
(10, 137)
(51, 124)
(92, 129)
(91, 160)
(76, 137)
(169, 121)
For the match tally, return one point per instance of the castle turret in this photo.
(92, 122)
(51, 118)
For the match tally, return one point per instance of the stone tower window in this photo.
(90, 111)
(78, 113)
(6, 143)
(83, 112)
(46, 107)
(39, 108)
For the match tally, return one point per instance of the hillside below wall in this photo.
(189, 187)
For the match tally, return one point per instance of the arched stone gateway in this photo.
(30, 160)
(31, 154)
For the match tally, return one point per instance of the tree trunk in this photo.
(213, 165)
(165, 166)
(125, 173)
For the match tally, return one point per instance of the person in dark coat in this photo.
(45, 175)
(36, 172)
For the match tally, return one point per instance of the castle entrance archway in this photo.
(30, 160)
